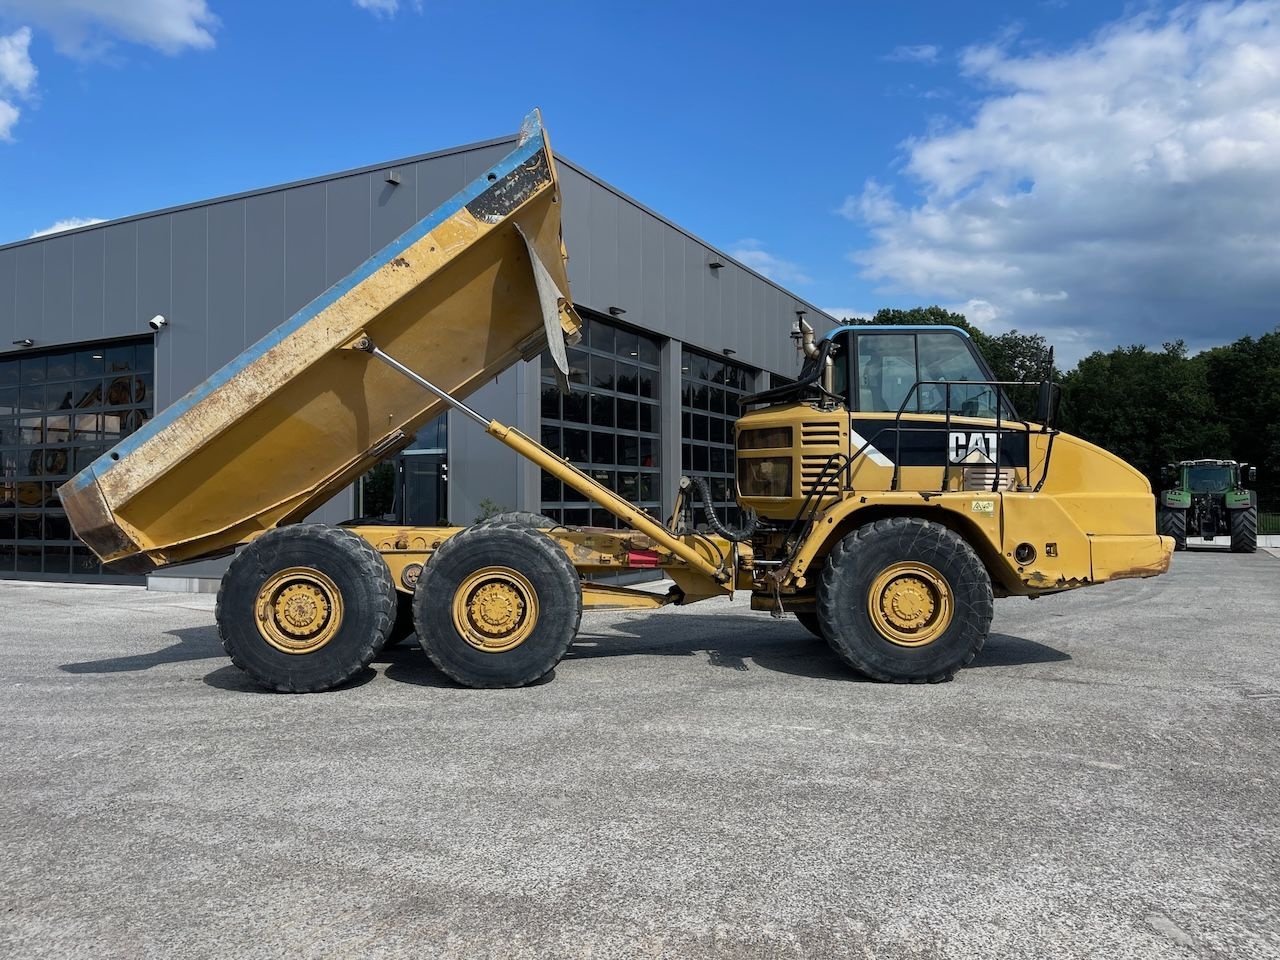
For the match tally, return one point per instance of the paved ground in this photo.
(1103, 783)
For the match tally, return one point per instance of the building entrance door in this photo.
(424, 492)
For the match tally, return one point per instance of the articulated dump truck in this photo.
(891, 491)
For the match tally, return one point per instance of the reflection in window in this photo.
(607, 424)
(59, 411)
(710, 389)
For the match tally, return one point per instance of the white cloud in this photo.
(753, 254)
(9, 115)
(17, 72)
(847, 313)
(918, 53)
(81, 27)
(1125, 190)
(17, 77)
(68, 224)
(385, 8)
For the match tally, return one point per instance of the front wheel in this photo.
(1173, 523)
(905, 600)
(1244, 530)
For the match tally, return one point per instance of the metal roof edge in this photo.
(262, 191)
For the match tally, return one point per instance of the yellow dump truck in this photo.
(892, 490)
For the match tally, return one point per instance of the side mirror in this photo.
(1047, 402)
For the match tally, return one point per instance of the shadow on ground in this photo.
(783, 646)
(193, 643)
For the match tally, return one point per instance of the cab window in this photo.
(888, 366)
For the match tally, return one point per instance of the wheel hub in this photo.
(300, 607)
(299, 610)
(495, 609)
(910, 604)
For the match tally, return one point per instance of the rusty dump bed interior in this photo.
(475, 286)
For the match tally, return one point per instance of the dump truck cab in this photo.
(909, 421)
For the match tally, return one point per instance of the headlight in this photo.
(764, 476)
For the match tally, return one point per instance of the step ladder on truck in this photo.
(892, 490)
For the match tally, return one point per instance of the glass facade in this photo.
(411, 487)
(607, 424)
(59, 410)
(709, 392)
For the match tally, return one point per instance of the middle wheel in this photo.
(497, 606)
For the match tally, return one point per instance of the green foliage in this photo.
(488, 508)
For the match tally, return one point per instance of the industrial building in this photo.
(676, 332)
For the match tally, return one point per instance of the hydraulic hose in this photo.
(716, 524)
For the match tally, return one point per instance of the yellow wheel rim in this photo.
(299, 610)
(495, 609)
(910, 604)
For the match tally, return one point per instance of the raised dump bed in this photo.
(461, 296)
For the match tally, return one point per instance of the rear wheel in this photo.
(1173, 523)
(402, 628)
(1244, 530)
(497, 606)
(905, 600)
(305, 608)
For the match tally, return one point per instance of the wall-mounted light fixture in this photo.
(24, 342)
(714, 262)
(616, 311)
(727, 352)
(157, 323)
(392, 177)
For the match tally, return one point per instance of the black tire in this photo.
(1173, 523)
(1244, 530)
(402, 628)
(519, 518)
(311, 561)
(518, 565)
(844, 601)
(809, 620)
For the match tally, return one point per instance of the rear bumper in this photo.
(1123, 558)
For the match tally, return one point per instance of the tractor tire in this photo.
(402, 629)
(905, 600)
(497, 606)
(1173, 523)
(809, 620)
(305, 608)
(519, 518)
(1244, 530)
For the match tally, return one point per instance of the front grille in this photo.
(819, 441)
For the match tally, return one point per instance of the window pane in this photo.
(886, 371)
(602, 411)
(602, 372)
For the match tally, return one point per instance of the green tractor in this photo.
(1208, 499)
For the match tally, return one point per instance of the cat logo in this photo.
(970, 447)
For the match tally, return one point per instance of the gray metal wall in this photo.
(226, 271)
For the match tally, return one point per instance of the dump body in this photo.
(475, 286)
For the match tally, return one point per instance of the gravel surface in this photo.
(697, 782)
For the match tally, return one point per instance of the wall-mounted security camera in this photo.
(157, 323)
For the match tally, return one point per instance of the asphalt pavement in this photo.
(703, 782)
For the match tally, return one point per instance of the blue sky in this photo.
(1052, 166)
